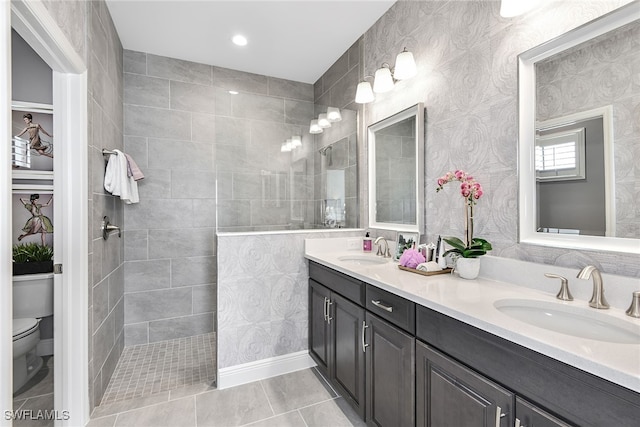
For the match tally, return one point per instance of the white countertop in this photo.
(472, 302)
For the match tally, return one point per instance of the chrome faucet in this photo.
(382, 252)
(597, 299)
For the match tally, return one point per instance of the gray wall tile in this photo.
(147, 275)
(193, 184)
(159, 213)
(135, 62)
(156, 123)
(290, 89)
(147, 91)
(168, 329)
(155, 185)
(169, 154)
(159, 304)
(203, 127)
(298, 112)
(181, 242)
(193, 271)
(136, 245)
(204, 299)
(193, 97)
(100, 303)
(258, 107)
(239, 81)
(179, 70)
(116, 289)
(136, 333)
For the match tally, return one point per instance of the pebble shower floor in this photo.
(147, 369)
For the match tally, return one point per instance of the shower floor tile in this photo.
(148, 369)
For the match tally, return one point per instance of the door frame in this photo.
(35, 25)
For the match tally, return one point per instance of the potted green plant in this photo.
(32, 258)
(469, 251)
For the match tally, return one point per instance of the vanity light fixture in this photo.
(323, 121)
(233, 92)
(364, 93)
(511, 8)
(382, 80)
(333, 114)
(314, 127)
(385, 77)
(296, 141)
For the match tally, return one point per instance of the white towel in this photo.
(116, 180)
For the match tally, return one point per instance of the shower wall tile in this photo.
(156, 122)
(159, 213)
(193, 271)
(258, 107)
(204, 299)
(135, 62)
(297, 112)
(168, 329)
(192, 97)
(343, 91)
(147, 91)
(290, 90)
(136, 245)
(103, 342)
(169, 154)
(136, 147)
(176, 243)
(232, 131)
(155, 184)
(232, 213)
(240, 81)
(147, 275)
(179, 70)
(204, 212)
(336, 71)
(160, 304)
(247, 186)
(136, 333)
(116, 290)
(203, 127)
(100, 303)
(190, 184)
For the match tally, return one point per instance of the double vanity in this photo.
(406, 349)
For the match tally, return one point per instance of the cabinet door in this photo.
(530, 415)
(390, 360)
(347, 356)
(318, 325)
(450, 395)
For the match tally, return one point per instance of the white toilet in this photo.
(32, 300)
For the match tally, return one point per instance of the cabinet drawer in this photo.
(346, 286)
(395, 309)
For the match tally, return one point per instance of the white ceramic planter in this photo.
(468, 268)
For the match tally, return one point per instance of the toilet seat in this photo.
(24, 327)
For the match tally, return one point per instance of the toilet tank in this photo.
(33, 295)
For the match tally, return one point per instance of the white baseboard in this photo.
(45, 347)
(265, 368)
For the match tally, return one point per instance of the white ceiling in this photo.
(294, 39)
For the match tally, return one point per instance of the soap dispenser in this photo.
(366, 243)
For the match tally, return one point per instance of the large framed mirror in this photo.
(396, 171)
(578, 132)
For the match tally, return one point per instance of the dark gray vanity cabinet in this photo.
(529, 415)
(363, 355)
(335, 332)
(390, 373)
(449, 394)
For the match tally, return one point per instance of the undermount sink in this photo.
(566, 319)
(363, 259)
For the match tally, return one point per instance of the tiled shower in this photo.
(212, 162)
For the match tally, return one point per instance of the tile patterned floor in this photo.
(147, 369)
(36, 395)
(298, 399)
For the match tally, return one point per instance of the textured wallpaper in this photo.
(467, 78)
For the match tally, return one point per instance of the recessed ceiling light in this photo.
(233, 92)
(239, 40)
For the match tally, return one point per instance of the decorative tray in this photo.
(425, 273)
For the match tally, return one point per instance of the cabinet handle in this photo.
(364, 345)
(382, 305)
(499, 416)
(329, 318)
(324, 308)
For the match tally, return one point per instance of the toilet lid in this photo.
(23, 326)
